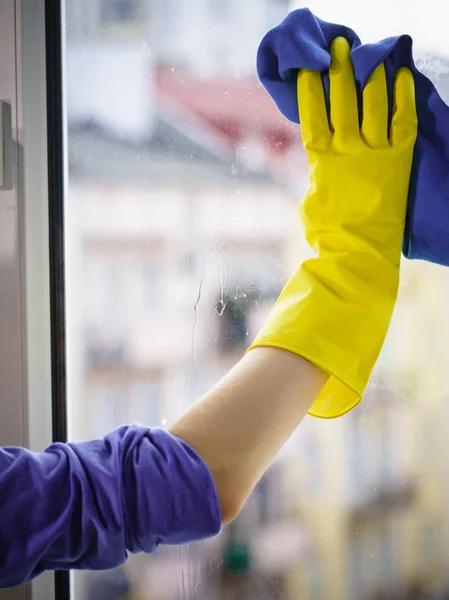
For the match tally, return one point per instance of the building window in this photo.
(357, 460)
(220, 9)
(356, 569)
(123, 404)
(113, 301)
(431, 543)
(120, 11)
(145, 399)
(388, 558)
(388, 452)
(111, 403)
(188, 264)
(233, 324)
(314, 464)
(315, 577)
(151, 284)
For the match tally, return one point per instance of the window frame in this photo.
(33, 407)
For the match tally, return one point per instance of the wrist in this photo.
(335, 312)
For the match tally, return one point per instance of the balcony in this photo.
(100, 356)
(382, 500)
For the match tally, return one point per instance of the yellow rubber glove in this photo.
(336, 308)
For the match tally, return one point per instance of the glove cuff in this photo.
(335, 312)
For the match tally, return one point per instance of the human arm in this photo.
(317, 349)
(240, 426)
(84, 506)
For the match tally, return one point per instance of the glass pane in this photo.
(182, 228)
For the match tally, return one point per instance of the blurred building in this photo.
(193, 35)
(372, 487)
(176, 245)
(165, 232)
(171, 163)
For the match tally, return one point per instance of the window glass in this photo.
(182, 225)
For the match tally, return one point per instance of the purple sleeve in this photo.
(83, 506)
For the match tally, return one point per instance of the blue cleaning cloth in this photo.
(303, 41)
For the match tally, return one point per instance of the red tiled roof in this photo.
(238, 111)
(236, 108)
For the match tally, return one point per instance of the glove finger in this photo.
(375, 110)
(404, 124)
(343, 95)
(312, 109)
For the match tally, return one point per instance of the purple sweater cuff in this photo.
(82, 506)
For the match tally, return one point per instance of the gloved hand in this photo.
(335, 310)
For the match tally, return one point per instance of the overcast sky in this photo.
(427, 21)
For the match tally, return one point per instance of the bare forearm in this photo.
(240, 426)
